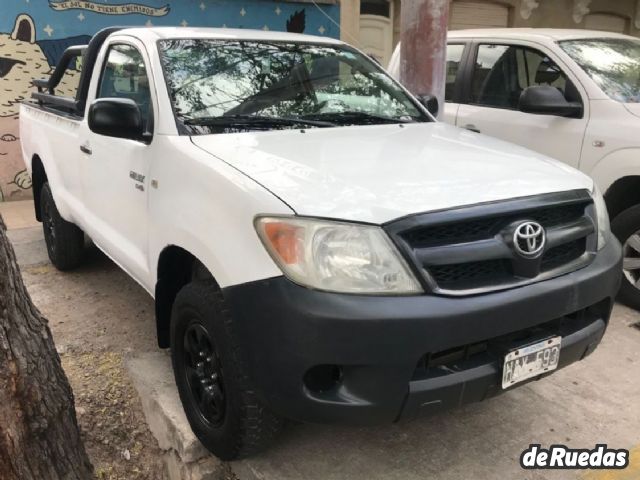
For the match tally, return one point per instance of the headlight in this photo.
(336, 256)
(602, 217)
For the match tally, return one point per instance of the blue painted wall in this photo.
(199, 13)
(62, 19)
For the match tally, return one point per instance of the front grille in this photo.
(470, 250)
(563, 254)
(471, 272)
(473, 230)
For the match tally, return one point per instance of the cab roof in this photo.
(167, 33)
(554, 34)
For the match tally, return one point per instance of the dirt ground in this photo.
(97, 316)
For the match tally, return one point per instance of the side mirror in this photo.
(116, 117)
(430, 102)
(548, 100)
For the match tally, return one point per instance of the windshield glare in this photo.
(613, 63)
(211, 81)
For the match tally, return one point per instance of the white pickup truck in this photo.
(318, 247)
(573, 95)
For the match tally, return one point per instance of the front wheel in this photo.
(219, 401)
(626, 227)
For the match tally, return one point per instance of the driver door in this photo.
(115, 173)
(499, 74)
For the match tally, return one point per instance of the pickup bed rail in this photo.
(45, 96)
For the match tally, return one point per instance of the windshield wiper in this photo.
(257, 120)
(355, 118)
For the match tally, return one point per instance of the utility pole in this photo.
(424, 47)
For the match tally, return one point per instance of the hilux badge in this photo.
(529, 239)
(138, 177)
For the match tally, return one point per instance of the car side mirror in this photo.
(116, 117)
(548, 100)
(430, 102)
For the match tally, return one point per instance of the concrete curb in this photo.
(185, 457)
(29, 246)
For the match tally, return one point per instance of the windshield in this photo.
(613, 63)
(220, 86)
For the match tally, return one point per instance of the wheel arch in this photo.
(176, 268)
(618, 177)
(622, 194)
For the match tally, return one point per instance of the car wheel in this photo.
(64, 240)
(626, 227)
(217, 396)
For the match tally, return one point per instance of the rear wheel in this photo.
(216, 394)
(64, 240)
(626, 227)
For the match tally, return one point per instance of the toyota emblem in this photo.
(529, 239)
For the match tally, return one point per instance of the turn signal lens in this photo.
(285, 241)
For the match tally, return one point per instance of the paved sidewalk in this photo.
(25, 232)
(19, 214)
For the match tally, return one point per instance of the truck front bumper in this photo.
(326, 357)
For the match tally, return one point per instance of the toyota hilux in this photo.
(319, 248)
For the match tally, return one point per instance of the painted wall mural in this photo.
(34, 33)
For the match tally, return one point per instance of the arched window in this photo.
(376, 29)
(380, 8)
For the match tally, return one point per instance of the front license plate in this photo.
(531, 361)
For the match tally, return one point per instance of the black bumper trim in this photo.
(286, 329)
(476, 384)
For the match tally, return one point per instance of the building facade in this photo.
(374, 25)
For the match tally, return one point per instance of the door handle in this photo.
(85, 149)
(471, 127)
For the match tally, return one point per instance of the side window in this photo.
(454, 56)
(535, 68)
(502, 72)
(125, 76)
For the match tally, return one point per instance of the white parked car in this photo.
(318, 247)
(573, 95)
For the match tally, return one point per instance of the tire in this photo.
(626, 227)
(64, 240)
(233, 423)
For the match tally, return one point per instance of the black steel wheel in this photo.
(218, 397)
(203, 374)
(48, 226)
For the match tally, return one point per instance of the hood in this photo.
(379, 173)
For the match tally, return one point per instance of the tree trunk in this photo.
(39, 435)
